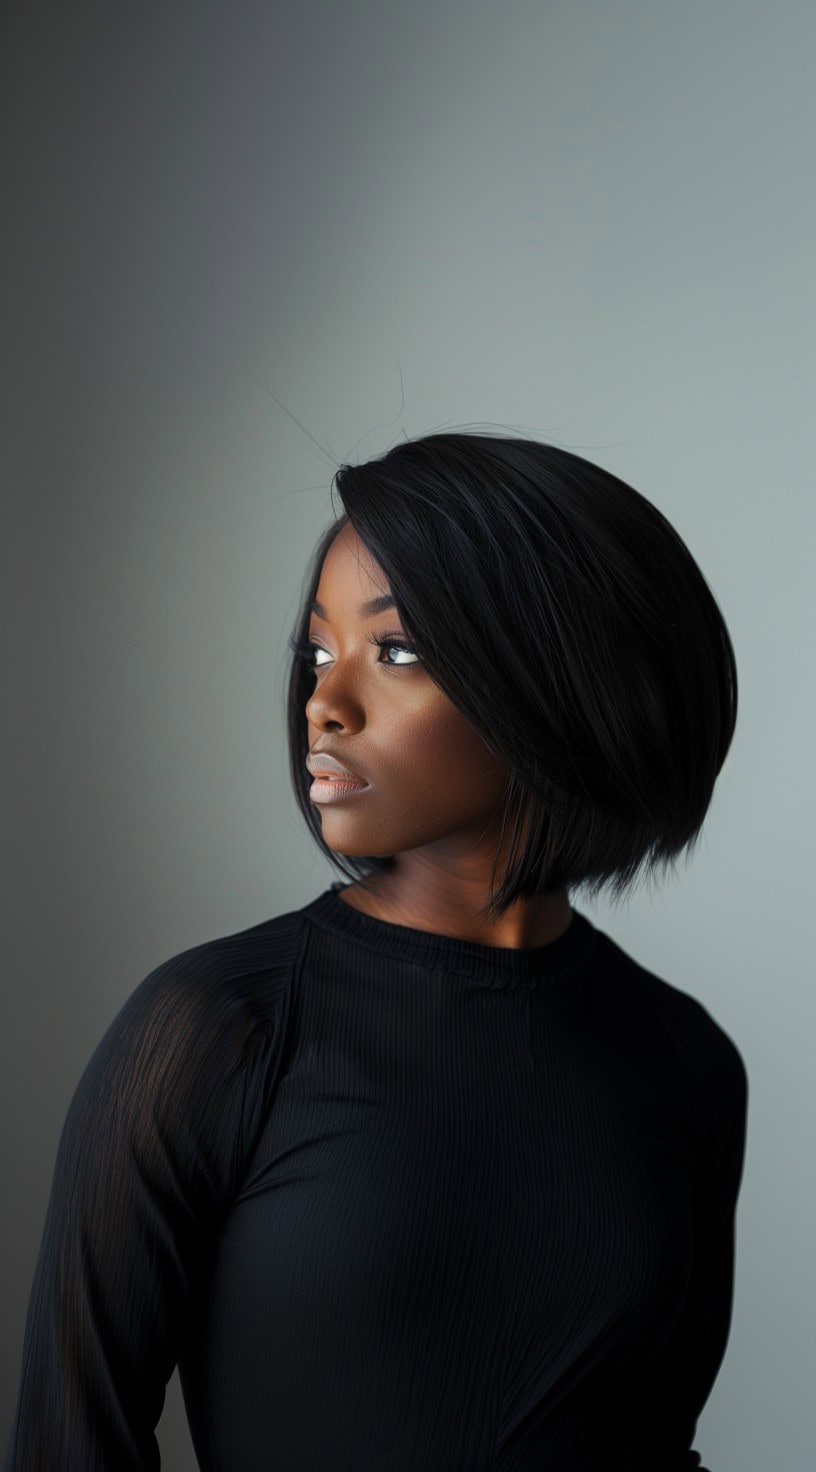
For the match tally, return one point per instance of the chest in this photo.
(426, 1150)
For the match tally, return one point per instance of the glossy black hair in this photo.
(566, 619)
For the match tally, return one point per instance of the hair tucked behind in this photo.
(564, 616)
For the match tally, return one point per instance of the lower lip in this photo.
(333, 789)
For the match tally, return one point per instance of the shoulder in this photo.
(244, 970)
(677, 1025)
(199, 1016)
(182, 1077)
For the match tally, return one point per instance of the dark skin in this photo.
(434, 799)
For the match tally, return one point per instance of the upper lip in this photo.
(321, 764)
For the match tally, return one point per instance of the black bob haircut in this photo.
(568, 622)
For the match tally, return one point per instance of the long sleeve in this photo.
(150, 1153)
(685, 1372)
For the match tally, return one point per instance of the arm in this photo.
(149, 1155)
(687, 1369)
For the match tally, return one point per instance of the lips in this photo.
(320, 764)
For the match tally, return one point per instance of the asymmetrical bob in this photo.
(567, 620)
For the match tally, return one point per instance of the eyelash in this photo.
(306, 651)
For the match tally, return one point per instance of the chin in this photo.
(361, 849)
(353, 850)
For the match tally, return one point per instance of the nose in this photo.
(334, 705)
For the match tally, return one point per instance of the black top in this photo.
(394, 1202)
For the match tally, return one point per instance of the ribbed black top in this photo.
(392, 1202)
(493, 966)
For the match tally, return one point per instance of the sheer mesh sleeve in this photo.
(150, 1154)
(685, 1372)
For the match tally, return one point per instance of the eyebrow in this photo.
(375, 605)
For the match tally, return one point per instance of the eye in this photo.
(386, 641)
(309, 651)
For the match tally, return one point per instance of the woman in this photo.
(428, 1175)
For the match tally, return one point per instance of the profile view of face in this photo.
(431, 780)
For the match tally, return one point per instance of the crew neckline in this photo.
(536, 966)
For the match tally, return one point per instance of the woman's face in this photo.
(432, 782)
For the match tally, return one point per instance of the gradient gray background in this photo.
(592, 222)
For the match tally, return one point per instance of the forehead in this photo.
(349, 573)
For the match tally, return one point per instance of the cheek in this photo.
(443, 753)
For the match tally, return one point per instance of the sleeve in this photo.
(686, 1370)
(150, 1154)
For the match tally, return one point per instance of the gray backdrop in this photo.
(592, 222)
